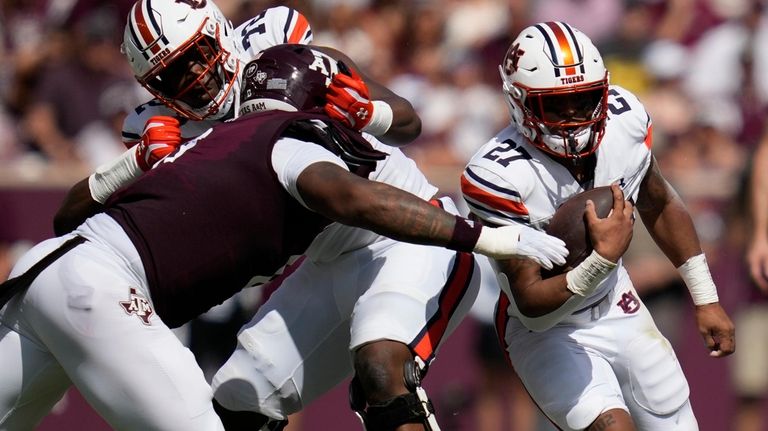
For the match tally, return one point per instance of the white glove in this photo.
(521, 241)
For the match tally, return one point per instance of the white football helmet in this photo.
(183, 52)
(556, 86)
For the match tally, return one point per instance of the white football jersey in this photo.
(509, 180)
(273, 26)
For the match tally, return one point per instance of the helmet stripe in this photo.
(141, 31)
(550, 45)
(564, 43)
(155, 26)
(132, 27)
(579, 54)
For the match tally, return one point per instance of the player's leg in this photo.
(415, 301)
(91, 311)
(31, 381)
(654, 386)
(296, 346)
(613, 420)
(573, 385)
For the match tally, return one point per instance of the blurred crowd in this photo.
(699, 66)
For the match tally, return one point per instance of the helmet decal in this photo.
(564, 51)
(513, 58)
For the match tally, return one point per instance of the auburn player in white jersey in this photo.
(154, 50)
(190, 58)
(582, 342)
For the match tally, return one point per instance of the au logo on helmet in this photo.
(513, 58)
(194, 4)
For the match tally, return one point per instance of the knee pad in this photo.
(413, 407)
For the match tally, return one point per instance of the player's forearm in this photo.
(78, 205)
(406, 124)
(394, 213)
(533, 295)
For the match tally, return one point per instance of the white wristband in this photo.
(112, 175)
(381, 119)
(696, 275)
(584, 279)
(498, 242)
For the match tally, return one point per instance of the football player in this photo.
(94, 308)
(188, 55)
(582, 341)
(190, 58)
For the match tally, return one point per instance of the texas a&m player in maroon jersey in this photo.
(94, 308)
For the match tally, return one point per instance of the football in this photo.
(569, 225)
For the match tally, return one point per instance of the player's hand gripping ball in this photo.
(161, 136)
(569, 225)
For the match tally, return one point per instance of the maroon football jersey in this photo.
(213, 215)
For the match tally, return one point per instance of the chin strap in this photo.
(571, 139)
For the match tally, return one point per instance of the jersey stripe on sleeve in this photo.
(301, 31)
(649, 135)
(495, 200)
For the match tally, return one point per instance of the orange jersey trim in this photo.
(649, 137)
(491, 200)
(427, 342)
(299, 30)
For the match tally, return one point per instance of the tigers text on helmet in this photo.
(183, 52)
(556, 87)
(287, 78)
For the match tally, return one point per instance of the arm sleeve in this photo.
(291, 156)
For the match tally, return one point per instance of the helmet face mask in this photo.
(556, 88)
(183, 53)
(193, 77)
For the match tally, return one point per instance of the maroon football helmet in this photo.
(287, 78)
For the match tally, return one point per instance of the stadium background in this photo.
(700, 66)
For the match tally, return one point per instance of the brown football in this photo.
(569, 225)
